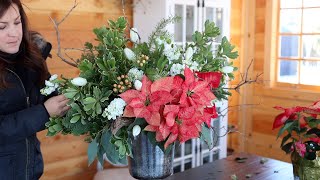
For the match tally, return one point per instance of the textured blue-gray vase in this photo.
(149, 161)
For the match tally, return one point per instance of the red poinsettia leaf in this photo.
(189, 76)
(130, 94)
(170, 118)
(137, 103)
(208, 114)
(151, 128)
(198, 86)
(171, 108)
(177, 82)
(315, 139)
(142, 113)
(314, 109)
(187, 132)
(154, 119)
(163, 84)
(160, 98)
(213, 78)
(280, 120)
(186, 113)
(159, 136)
(128, 112)
(164, 130)
(171, 139)
(146, 85)
(184, 99)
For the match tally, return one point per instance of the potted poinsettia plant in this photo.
(301, 137)
(155, 88)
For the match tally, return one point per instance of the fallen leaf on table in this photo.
(234, 177)
(263, 160)
(240, 159)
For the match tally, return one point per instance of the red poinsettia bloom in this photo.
(194, 92)
(213, 78)
(147, 102)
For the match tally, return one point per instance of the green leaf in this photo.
(287, 127)
(206, 136)
(57, 127)
(92, 151)
(75, 119)
(89, 100)
(76, 107)
(285, 139)
(98, 108)
(70, 95)
(287, 148)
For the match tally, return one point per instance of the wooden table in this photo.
(221, 169)
(259, 168)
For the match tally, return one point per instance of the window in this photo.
(298, 42)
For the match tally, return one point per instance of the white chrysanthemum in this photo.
(159, 41)
(135, 74)
(172, 52)
(115, 109)
(50, 85)
(53, 77)
(176, 69)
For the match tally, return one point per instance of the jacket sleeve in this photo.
(22, 124)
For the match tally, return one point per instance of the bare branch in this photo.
(56, 27)
(123, 8)
(245, 79)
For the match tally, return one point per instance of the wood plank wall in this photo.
(259, 137)
(65, 156)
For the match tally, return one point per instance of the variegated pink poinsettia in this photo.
(174, 108)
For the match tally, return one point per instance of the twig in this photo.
(245, 79)
(56, 27)
(123, 9)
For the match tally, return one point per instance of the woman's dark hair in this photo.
(30, 54)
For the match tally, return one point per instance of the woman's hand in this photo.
(57, 106)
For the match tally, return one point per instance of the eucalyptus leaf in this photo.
(92, 151)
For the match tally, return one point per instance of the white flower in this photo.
(176, 69)
(129, 54)
(227, 69)
(53, 77)
(79, 81)
(159, 41)
(134, 36)
(115, 109)
(194, 66)
(48, 83)
(135, 74)
(171, 51)
(137, 85)
(189, 53)
(136, 130)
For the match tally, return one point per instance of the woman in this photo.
(23, 110)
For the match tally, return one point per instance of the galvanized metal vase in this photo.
(149, 161)
(305, 169)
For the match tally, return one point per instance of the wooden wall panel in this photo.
(261, 139)
(65, 157)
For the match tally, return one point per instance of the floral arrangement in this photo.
(300, 126)
(126, 86)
